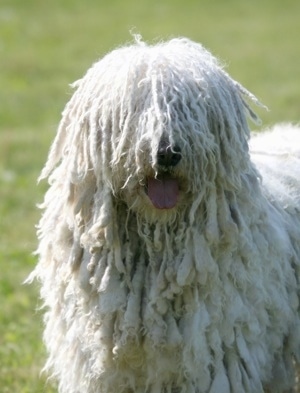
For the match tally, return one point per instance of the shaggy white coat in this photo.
(199, 298)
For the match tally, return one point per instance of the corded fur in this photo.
(199, 298)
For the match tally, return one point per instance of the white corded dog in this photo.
(169, 261)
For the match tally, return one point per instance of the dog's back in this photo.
(276, 154)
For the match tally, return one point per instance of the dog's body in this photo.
(168, 263)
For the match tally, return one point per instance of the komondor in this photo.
(169, 255)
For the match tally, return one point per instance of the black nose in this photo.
(168, 155)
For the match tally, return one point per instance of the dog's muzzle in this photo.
(163, 190)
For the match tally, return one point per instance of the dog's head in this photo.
(155, 126)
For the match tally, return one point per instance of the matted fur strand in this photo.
(198, 297)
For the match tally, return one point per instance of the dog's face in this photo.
(161, 151)
(159, 172)
(156, 127)
(168, 154)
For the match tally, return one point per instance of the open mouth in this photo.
(163, 191)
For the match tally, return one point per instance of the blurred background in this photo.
(44, 46)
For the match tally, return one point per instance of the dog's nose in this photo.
(167, 155)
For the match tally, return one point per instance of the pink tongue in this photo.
(163, 192)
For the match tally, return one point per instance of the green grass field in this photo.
(44, 46)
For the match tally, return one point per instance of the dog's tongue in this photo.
(163, 191)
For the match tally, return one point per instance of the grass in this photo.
(45, 45)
